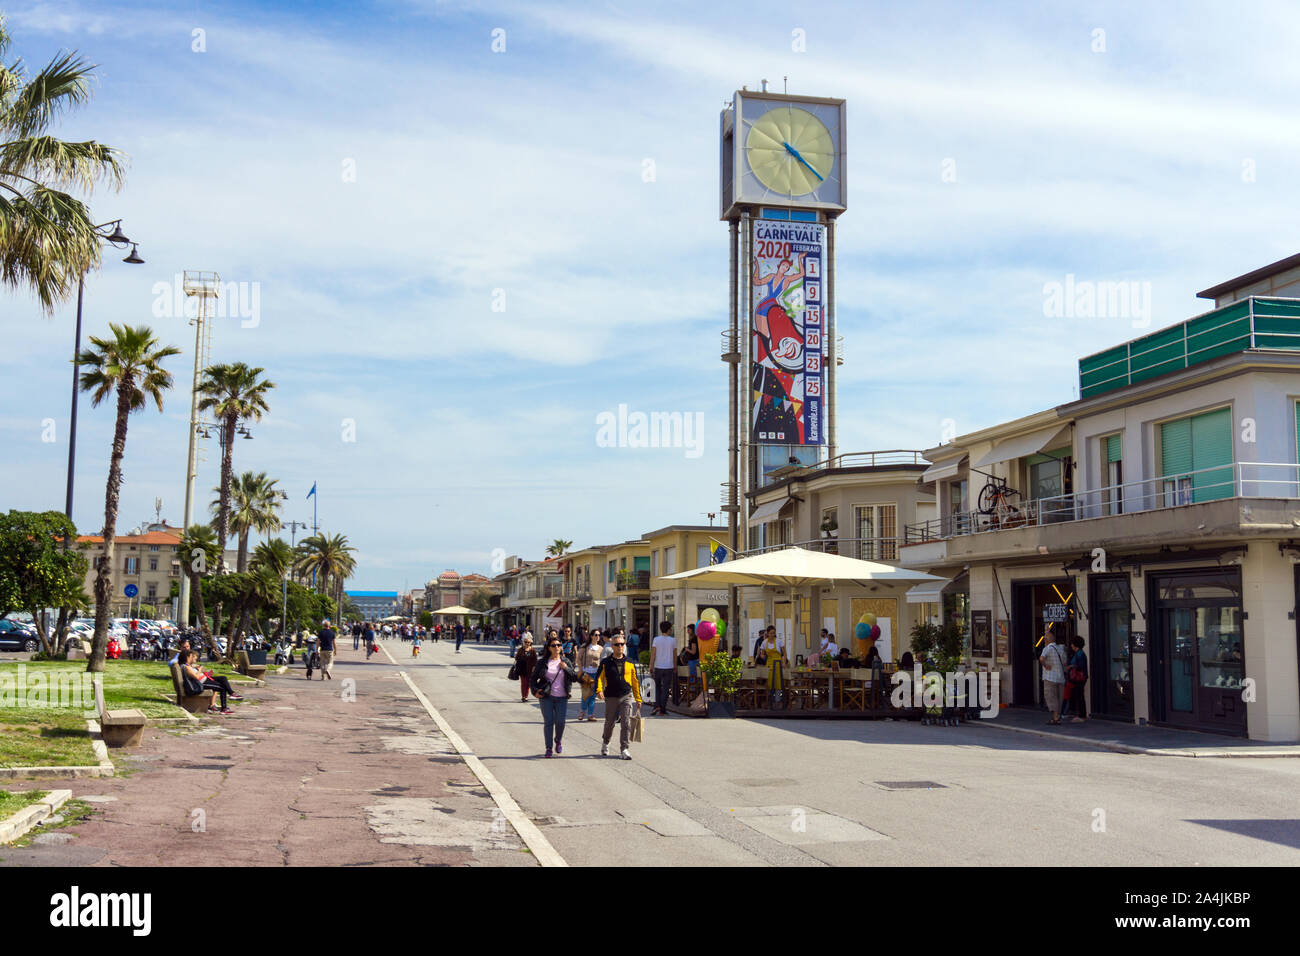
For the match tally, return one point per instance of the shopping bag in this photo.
(636, 728)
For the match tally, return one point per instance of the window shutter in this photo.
(1211, 448)
(1114, 448)
(1176, 447)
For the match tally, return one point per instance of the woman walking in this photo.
(1077, 675)
(588, 663)
(551, 679)
(525, 663)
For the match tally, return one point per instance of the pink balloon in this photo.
(875, 631)
(705, 630)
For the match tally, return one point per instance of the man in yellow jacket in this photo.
(618, 687)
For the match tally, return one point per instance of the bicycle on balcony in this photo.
(997, 501)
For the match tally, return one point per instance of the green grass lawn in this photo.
(11, 803)
(57, 736)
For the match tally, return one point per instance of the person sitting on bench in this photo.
(197, 681)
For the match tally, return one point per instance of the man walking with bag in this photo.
(618, 687)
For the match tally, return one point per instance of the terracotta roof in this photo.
(151, 537)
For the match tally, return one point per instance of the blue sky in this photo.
(521, 171)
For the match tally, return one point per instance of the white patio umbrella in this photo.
(456, 610)
(801, 568)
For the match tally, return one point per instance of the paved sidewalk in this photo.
(299, 776)
(1138, 739)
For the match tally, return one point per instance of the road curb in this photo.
(21, 823)
(528, 831)
(1294, 752)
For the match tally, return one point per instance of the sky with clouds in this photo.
(381, 178)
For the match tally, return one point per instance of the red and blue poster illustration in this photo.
(788, 326)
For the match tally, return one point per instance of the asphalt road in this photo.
(808, 792)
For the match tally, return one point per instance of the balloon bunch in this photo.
(711, 625)
(867, 629)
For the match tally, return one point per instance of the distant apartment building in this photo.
(375, 605)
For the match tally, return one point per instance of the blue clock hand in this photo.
(795, 153)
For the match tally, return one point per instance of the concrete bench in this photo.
(195, 704)
(119, 728)
(247, 668)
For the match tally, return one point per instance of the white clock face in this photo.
(790, 151)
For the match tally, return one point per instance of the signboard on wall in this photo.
(788, 323)
(981, 633)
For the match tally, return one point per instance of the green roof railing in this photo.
(1255, 322)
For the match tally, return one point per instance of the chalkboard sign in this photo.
(1138, 642)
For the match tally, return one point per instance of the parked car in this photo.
(17, 636)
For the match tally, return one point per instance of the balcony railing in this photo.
(577, 592)
(633, 581)
(1238, 480)
(864, 549)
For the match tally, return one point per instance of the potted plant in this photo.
(722, 671)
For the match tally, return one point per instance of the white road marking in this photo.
(536, 841)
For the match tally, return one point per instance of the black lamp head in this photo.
(118, 237)
(134, 257)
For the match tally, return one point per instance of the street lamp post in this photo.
(117, 239)
(293, 527)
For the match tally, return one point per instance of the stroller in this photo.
(312, 658)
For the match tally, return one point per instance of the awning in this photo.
(957, 585)
(768, 511)
(938, 472)
(1030, 444)
(927, 592)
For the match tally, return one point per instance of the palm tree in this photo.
(130, 364)
(231, 392)
(254, 506)
(275, 558)
(199, 554)
(330, 558)
(47, 238)
(558, 547)
(274, 554)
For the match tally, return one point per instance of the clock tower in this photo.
(783, 184)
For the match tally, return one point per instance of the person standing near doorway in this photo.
(1076, 676)
(617, 686)
(1053, 660)
(663, 663)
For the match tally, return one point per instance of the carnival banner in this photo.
(788, 324)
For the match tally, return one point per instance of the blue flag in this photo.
(313, 490)
(717, 552)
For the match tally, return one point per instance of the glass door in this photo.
(1111, 677)
(1201, 644)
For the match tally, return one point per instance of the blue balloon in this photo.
(862, 632)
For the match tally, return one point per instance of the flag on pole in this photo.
(313, 490)
(717, 551)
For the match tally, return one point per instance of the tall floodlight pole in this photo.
(204, 286)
